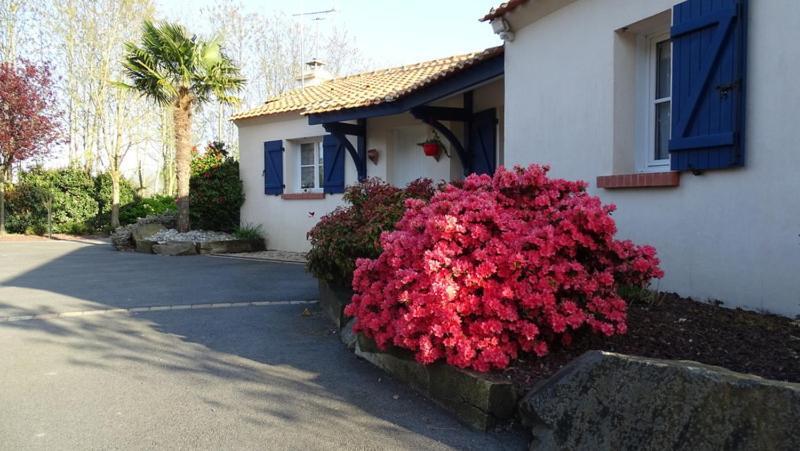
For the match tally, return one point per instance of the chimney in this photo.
(314, 73)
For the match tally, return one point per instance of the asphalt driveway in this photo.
(202, 352)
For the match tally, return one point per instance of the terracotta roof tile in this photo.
(503, 8)
(368, 88)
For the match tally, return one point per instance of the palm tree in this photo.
(183, 72)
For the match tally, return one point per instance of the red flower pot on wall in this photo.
(432, 149)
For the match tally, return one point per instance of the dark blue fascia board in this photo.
(475, 75)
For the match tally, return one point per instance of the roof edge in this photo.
(477, 58)
(502, 9)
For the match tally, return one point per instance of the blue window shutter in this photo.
(708, 70)
(333, 164)
(483, 142)
(273, 167)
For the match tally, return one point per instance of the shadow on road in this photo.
(287, 370)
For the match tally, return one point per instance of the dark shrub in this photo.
(74, 204)
(26, 208)
(102, 189)
(353, 231)
(142, 207)
(216, 193)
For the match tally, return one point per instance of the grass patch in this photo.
(249, 232)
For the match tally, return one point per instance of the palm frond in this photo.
(167, 61)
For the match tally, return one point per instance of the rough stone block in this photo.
(142, 231)
(145, 246)
(607, 401)
(231, 246)
(333, 299)
(175, 248)
(347, 335)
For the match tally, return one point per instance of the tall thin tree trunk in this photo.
(140, 189)
(183, 155)
(115, 176)
(168, 151)
(2, 200)
(116, 163)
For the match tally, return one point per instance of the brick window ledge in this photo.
(303, 196)
(640, 180)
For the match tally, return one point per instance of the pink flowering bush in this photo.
(498, 266)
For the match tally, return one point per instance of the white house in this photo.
(299, 150)
(683, 114)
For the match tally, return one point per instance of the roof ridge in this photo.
(369, 87)
(465, 56)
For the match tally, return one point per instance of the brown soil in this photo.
(56, 236)
(18, 237)
(671, 327)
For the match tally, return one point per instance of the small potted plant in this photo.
(433, 147)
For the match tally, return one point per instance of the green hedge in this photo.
(215, 190)
(127, 195)
(141, 207)
(80, 203)
(73, 193)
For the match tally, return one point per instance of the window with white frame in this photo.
(311, 172)
(659, 102)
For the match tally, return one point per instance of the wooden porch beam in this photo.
(358, 153)
(345, 128)
(441, 113)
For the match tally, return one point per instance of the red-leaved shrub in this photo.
(498, 266)
(353, 231)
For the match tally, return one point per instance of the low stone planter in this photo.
(607, 401)
(478, 400)
(179, 248)
(231, 246)
(175, 248)
(333, 299)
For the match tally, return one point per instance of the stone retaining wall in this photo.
(477, 400)
(333, 299)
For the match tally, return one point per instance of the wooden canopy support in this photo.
(433, 116)
(340, 130)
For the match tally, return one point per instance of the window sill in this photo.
(303, 196)
(643, 180)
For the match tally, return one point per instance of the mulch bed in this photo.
(671, 327)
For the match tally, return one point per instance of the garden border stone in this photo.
(333, 299)
(145, 230)
(231, 246)
(145, 246)
(175, 248)
(477, 400)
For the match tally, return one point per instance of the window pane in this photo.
(307, 177)
(662, 130)
(321, 168)
(663, 69)
(307, 153)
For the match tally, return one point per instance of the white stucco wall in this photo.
(286, 222)
(730, 235)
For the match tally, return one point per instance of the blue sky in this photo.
(389, 32)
